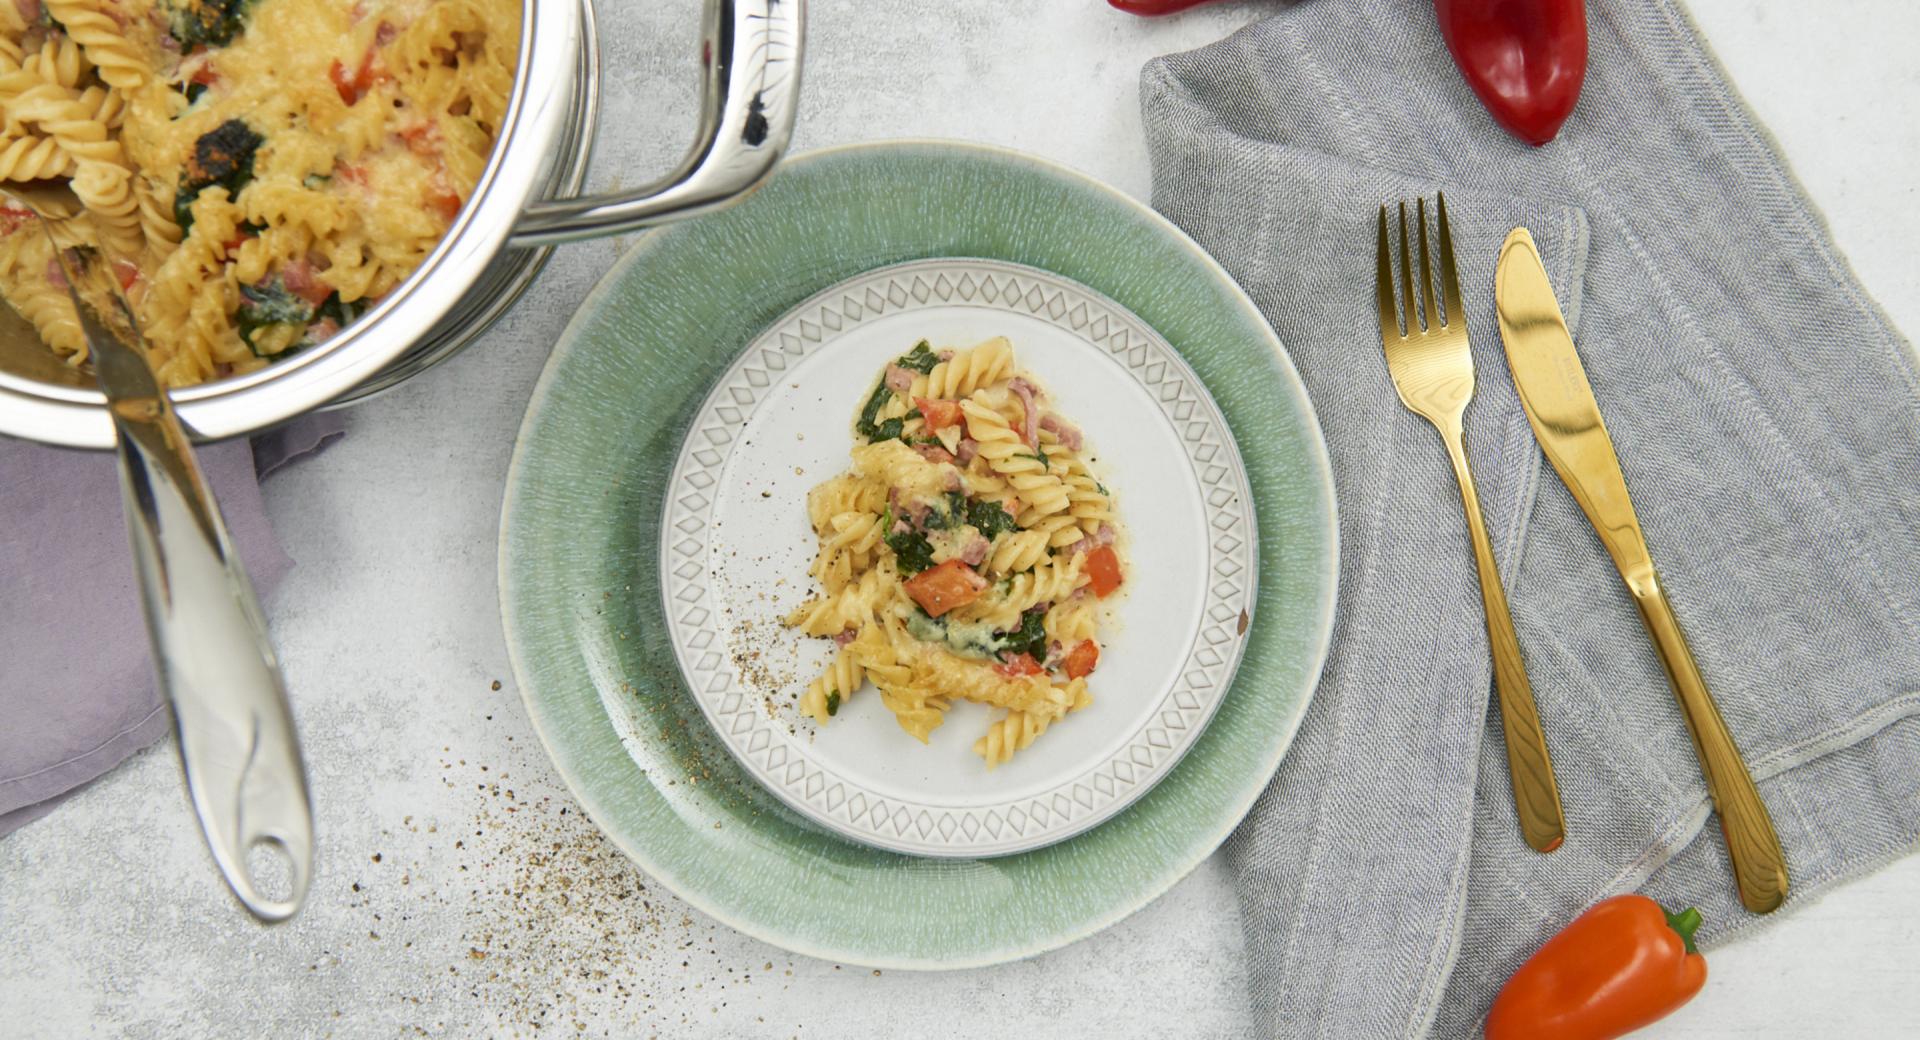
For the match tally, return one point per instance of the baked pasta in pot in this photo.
(258, 172)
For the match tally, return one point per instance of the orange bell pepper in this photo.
(1623, 964)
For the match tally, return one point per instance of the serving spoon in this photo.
(211, 655)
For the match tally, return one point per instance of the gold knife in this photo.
(1566, 419)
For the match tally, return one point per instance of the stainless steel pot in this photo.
(524, 203)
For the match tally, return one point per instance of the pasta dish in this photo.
(965, 554)
(258, 172)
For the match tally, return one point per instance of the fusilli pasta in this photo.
(964, 555)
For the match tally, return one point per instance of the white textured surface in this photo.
(492, 909)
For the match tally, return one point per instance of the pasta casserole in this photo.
(258, 172)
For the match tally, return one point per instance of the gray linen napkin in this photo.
(76, 690)
(1767, 418)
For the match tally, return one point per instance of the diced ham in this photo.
(945, 355)
(1102, 535)
(1060, 428)
(975, 552)
(29, 10)
(900, 526)
(384, 34)
(899, 380)
(953, 480)
(301, 280)
(916, 514)
(56, 277)
(965, 450)
(934, 453)
(843, 637)
(1028, 425)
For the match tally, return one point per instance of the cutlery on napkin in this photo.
(1766, 418)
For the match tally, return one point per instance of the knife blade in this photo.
(1560, 405)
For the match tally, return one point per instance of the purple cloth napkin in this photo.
(76, 689)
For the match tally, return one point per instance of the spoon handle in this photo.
(211, 654)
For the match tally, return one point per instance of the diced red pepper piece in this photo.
(444, 202)
(127, 272)
(1082, 659)
(1103, 568)
(938, 413)
(342, 82)
(351, 173)
(422, 138)
(940, 589)
(1019, 665)
(354, 86)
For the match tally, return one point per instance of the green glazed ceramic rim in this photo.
(579, 556)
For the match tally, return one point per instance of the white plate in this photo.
(735, 547)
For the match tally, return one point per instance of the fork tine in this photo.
(1431, 318)
(1383, 284)
(1449, 275)
(1406, 276)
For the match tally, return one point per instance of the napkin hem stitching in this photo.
(90, 752)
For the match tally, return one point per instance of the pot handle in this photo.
(750, 58)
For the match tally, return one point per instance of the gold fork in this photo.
(1432, 367)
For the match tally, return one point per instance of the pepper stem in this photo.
(1684, 922)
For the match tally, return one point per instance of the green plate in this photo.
(579, 554)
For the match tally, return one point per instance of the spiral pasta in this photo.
(1017, 730)
(330, 143)
(965, 554)
(968, 370)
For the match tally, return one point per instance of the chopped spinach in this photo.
(339, 310)
(269, 305)
(911, 549)
(222, 156)
(989, 518)
(833, 703)
(865, 426)
(925, 627)
(887, 431)
(316, 181)
(921, 358)
(211, 23)
(951, 513)
(1040, 457)
(1030, 638)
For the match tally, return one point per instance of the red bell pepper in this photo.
(1082, 659)
(1154, 8)
(1526, 59)
(1623, 964)
(1103, 568)
(940, 589)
